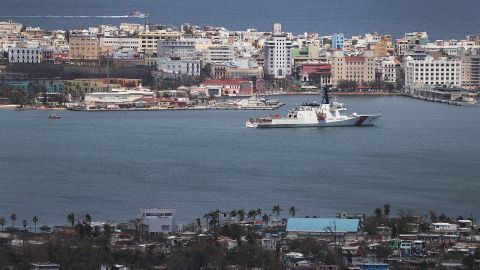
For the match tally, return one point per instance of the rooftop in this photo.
(323, 224)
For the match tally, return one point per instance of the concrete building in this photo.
(383, 47)
(10, 27)
(338, 41)
(84, 50)
(178, 56)
(417, 53)
(218, 54)
(244, 73)
(471, 69)
(401, 46)
(305, 54)
(112, 44)
(388, 69)
(229, 87)
(433, 71)
(417, 38)
(149, 39)
(360, 68)
(278, 62)
(25, 54)
(182, 48)
(443, 227)
(159, 220)
(179, 66)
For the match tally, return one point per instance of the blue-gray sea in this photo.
(421, 156)
(442, 19)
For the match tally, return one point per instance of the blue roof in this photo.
(322, 224)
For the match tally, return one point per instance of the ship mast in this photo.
(326, 98)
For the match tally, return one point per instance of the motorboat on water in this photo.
(256, 102)
(315, 115)
(137, 14)
(54, 116)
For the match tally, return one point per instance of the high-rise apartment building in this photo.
(278, 62)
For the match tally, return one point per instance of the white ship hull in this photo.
(360, 120)
(315, 115)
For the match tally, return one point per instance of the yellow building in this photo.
(84, 50)
(149, 39)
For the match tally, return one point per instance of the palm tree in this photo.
(35, 220)
(252, 214)
(292, 211)
(71, 219)
(259, 212)
(2, 222)
(24, 223)
(276, 210)
(87, 219)
(241, 214)
(265, 218)
(386, 209)
(45, 228)
(212, 218)
(378, 213)
(13, 217)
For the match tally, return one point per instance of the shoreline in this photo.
(29, 108)
(15, 106)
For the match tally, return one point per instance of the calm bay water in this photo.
(442, 19)
(421, 156)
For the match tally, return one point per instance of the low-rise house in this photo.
(269, 243)
(384, 233)
(227, 243)
(231, 87)
(443, 227)
(340, 230)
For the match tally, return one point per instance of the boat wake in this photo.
(67, 16)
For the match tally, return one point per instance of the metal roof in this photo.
(323, 225)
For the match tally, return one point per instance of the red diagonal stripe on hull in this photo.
(360, 120)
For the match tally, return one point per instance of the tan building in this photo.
(78, 87)
(149, 39)
(84, 50)
(384, 47)
(360, 69)
(244, 73)
(471, 70)
(10, 27)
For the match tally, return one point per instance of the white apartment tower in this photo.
(278, 54)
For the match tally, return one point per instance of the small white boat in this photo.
(137, 14)
(314, 115)
(54, 116)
